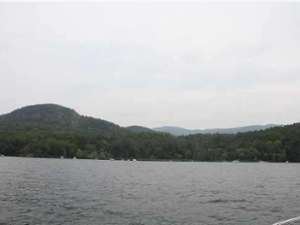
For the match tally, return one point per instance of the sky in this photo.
(193, 65)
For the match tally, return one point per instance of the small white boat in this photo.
(291, 221)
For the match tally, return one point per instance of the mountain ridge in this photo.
(178, 131)
(60, 117)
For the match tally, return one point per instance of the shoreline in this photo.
(148, 160)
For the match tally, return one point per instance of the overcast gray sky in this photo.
(195, 65)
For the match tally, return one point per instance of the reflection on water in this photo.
(77, 192)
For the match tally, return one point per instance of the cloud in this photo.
(154, 63)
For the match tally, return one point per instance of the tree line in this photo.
(276, 144)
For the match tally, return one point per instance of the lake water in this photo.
(88, 192)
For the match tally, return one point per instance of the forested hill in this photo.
(51, 130)
(52, 117)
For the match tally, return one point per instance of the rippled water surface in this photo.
(88, 192)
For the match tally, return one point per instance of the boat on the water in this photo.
(292, 221)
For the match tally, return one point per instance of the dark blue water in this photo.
(88, 192)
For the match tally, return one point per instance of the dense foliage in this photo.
(275, 144)
(54, 136)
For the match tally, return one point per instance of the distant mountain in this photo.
(239, 129)
(139, 129)
(178, 131)
(52, 117)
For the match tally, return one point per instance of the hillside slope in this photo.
(52, 117)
